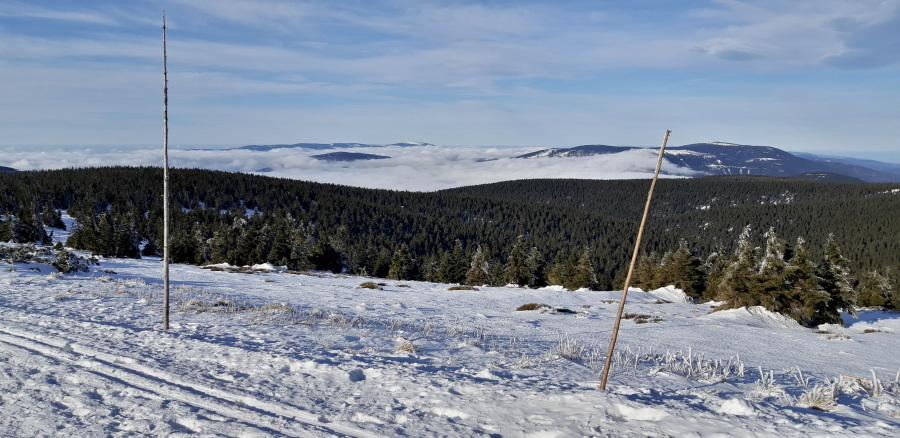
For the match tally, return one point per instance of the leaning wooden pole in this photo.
(165, 183)
(637, 246)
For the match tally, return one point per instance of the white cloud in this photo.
(412, 168)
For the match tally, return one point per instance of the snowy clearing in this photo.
(259, 352)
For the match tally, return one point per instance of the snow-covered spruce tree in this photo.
(515, 271)
(770, 284)
(29, 228)
(876, 290)
(479, 272)
(737, 287)
(582, 274)
(52, 218)
(716, 264)
(837, 281)
(402, 267)
(805, 293)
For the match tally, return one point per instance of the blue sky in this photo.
(817, 77)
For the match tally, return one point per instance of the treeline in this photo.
(534, 232)
(246, 219)
(781, 277)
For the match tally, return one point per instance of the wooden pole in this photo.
(637, 246)
(165, 183)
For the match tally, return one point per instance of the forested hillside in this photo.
(710, 212)
(568, 227)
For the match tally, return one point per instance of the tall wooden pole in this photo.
(637, 246)
(165, 183)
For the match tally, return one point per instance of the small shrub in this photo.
(462, 288)
(402, 285)
(838, 337)
(369, 285)
(635, 316)
(382, 284)
(109, 271)
(872, 331)
(563, 310)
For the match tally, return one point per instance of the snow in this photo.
(736, 406)
(264, 352)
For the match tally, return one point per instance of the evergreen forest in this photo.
(576, 233)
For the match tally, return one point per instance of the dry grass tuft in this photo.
(407, 347)
(462, 288)
(369, 285)
(531, 306)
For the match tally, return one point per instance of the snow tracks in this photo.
(110, 376)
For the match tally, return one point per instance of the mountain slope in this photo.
(720, 158)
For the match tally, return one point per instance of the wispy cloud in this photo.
(461, 72)
(24, 10)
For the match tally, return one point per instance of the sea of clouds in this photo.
(420, 168)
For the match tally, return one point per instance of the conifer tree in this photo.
(645, 272)
(150, 249)
(6, 231)
(515, 271)
(583, 275)
(453, 265)
(737, 287)
(837, 281)
(875, 290)
(302, 244)
(805, 293)
(682, 270)
(479, 272)
(769, 284)
(556, 273)
(401, 265)
(716, 264)
(533, 266)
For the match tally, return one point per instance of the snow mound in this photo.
(757, 316)
(736, 406)
(641, 414)
(671, 293)
(267, 267)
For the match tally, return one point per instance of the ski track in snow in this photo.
(83, 355)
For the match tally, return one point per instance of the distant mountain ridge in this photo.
(7, 169)
(326, 146)
(348, 156)
(721, 158)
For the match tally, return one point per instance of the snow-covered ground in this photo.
(257, 352)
